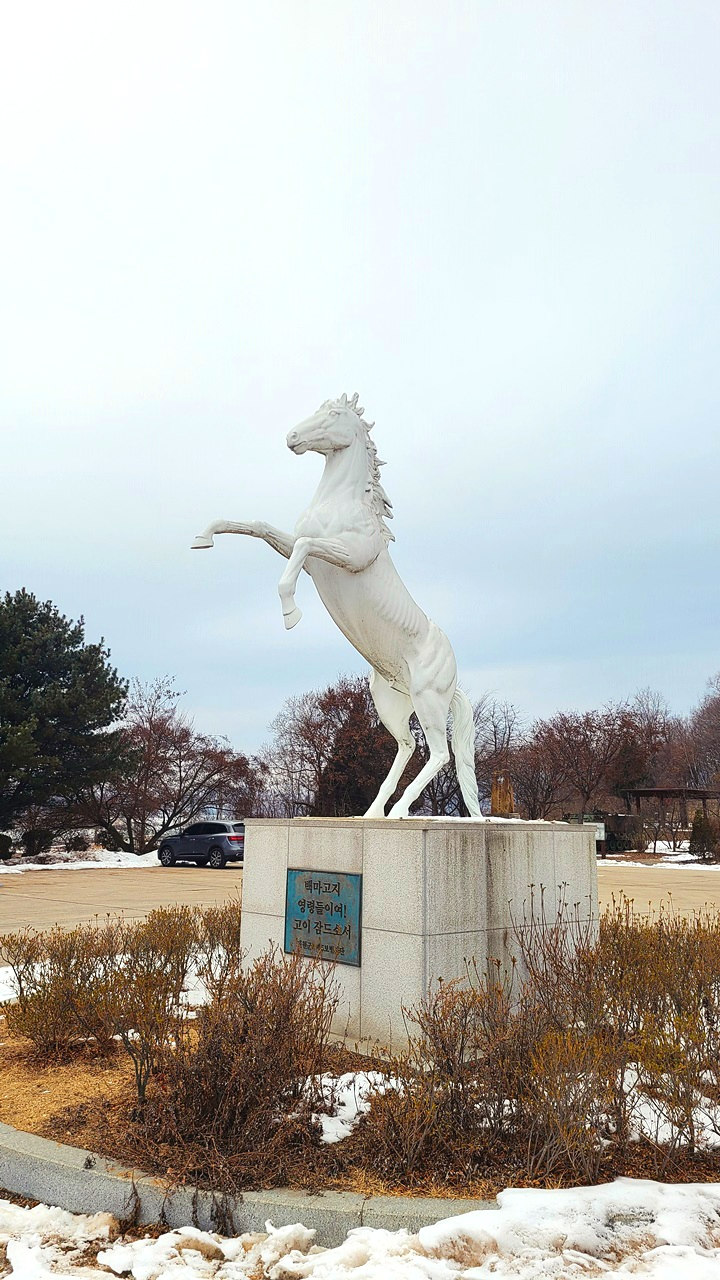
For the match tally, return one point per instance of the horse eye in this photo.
(333, 413)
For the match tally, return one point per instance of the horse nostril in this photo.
(292, 438)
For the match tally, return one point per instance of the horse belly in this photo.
(376, 614)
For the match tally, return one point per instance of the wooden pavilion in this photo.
(666, 795)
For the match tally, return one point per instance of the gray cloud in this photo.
(498, 222)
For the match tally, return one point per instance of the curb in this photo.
(83, 1182)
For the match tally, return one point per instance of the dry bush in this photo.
(219, 952)
(547, 1076)
(643, 996)
(457, 1091)
(98, 983)
(552, 1074)
(567, 1106)
(407, 1132)
(146, 998)
(237, 1095)
(63, 979)
(474, 1035)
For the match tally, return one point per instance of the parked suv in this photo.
(209, 844)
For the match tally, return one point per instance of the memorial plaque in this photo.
(323, 915)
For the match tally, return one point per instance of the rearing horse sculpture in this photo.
(341, 540)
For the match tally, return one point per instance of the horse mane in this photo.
(379, 500)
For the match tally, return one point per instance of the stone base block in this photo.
(437, 894)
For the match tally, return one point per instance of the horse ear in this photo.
(343, 398)
(354, 400)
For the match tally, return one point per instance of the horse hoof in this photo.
(201, 543)
(292, 618)
(375, 811)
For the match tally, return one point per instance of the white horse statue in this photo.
(341, 540)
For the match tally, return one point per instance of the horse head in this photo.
(335, 425)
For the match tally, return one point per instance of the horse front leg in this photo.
(330, 549)
(275, 538)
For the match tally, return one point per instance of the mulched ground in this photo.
(90, 1102)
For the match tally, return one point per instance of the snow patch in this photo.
(8, 990)
(347, 1098)
(662, 1231)
(96, 858)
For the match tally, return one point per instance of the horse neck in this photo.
(345, 478)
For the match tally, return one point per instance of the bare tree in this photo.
(329, 752)
(539, 778)
(702, 741)
(175, 774)
(497, 732)
(585, 747)
(644, 728)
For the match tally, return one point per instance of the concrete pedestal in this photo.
(435, 893)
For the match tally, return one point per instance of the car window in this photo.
(212, 828)
(240, 827)
(197, 829)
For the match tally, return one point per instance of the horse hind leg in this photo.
(431, 709)
(394, 709)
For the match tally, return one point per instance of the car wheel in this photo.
(216, 859)
(166, 856)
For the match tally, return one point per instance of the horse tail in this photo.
(463, 743)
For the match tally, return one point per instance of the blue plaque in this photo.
(323, 915)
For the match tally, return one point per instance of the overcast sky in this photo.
(498, 221)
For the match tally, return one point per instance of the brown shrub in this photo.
(238, 1094)
(146, 995)
(567, 1106)
(547, 1074)
(457, 1091)
(541, 1077)
(219, 952)
(62, 979)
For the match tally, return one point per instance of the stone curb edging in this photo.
(83, 1182)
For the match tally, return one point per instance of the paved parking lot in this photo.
(685, 889)
(41, 899)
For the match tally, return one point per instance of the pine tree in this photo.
(58, 698)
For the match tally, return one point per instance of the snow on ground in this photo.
(94, 858)
(681, 863)
(681, 857)
(7, 984)
(44, 1241)
(347, 1098)
(661, 1231)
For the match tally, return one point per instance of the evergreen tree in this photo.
(58, 699)
(704, 836)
